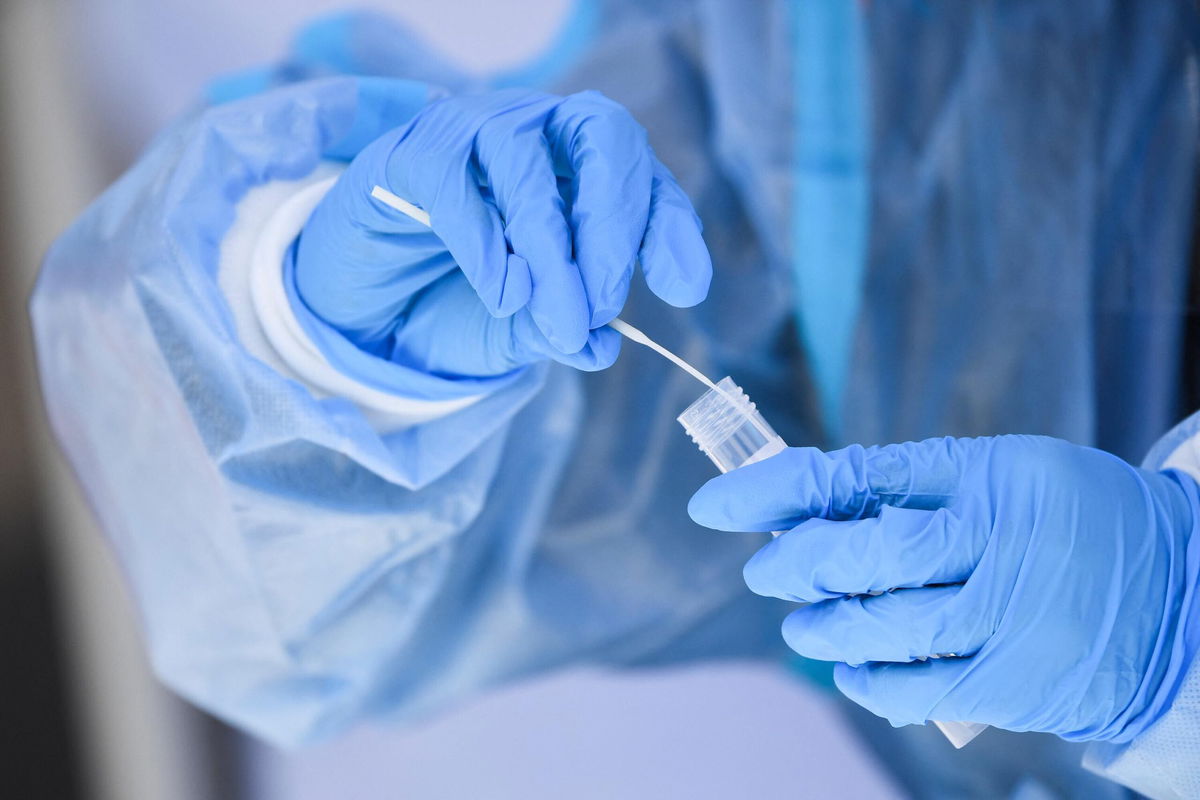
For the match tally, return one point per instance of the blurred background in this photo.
(83, 85)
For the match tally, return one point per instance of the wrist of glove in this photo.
(1056, 581)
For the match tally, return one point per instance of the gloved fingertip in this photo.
(874, 687)
(604, 314)
(601, 351)
(566, 334)
(709, 505)
(608, 306)
(756, 574)
(685, 295)
(515, 289)
(805, 638)
(678, 267)
(851, 681)
(698, 507)
(605, 344)
(689, 296)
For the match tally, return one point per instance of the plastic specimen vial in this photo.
(727, 427)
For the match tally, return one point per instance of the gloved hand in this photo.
(543, 204)
(1063, 577)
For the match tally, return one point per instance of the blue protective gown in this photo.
(1017, 179)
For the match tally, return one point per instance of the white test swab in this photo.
(634, 335)
(400, 204)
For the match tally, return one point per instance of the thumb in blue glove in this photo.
(1061, 577)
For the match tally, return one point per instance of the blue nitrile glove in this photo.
(543, 204)
(1063, 577)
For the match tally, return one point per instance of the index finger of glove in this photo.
(804, 483)
(901, 548)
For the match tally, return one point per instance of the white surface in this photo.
(258, 261)
(728, 731)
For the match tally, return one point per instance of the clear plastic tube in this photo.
(728, 428)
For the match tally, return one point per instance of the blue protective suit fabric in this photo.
(1063, 579)
(830, 215)
(297, 569)
(1030, 203)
